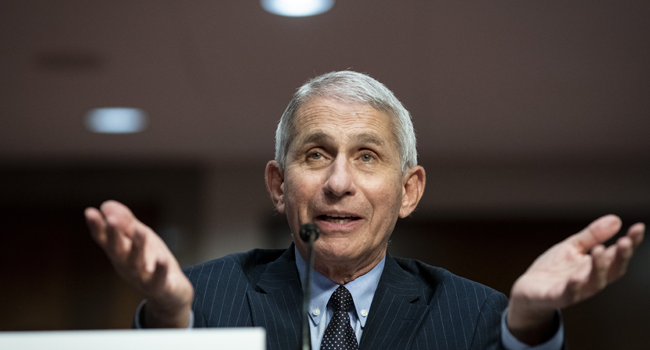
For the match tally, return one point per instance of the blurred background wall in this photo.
(532, 120)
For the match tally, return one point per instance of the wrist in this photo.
(161, 315)
(532, 326)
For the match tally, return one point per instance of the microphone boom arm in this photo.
(309, 234)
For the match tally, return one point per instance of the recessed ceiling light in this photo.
(297, 8)
(116, 120)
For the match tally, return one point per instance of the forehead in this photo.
(323, 116)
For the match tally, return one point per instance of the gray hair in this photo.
(349, 87)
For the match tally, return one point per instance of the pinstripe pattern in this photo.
(416, 306)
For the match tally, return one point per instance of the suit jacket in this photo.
(416, 306)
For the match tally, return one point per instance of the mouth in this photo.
(337, 218)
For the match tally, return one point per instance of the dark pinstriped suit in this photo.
(416, 306)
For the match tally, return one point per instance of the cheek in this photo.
(298, 193)
(387, 203)
(386, 199)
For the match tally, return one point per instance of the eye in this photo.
(316, 155)
(366, 158)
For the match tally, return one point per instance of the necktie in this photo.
(339, 334)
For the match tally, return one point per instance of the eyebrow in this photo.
(369, 138)
(316, 137)
(319, 137)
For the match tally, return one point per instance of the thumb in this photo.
(596, 233)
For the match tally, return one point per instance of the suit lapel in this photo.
(276, 303)
(398, 308)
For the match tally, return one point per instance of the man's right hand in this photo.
(142, 259)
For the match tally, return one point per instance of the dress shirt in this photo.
(362, 290)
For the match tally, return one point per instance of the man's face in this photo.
(343, 172)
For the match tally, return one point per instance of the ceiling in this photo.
(566, 80)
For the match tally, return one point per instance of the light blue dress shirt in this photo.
(363, 290)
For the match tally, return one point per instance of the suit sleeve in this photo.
(487, 332)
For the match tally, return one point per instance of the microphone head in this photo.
(306, 230)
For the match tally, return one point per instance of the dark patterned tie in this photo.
(339, 334)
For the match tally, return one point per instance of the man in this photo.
(346, 160)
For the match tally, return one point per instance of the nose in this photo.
(340, 181)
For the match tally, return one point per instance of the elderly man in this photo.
(346, 161)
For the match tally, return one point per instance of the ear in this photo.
(274, 178)
(414, 181)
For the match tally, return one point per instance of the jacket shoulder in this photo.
(249, 265)
(437, 282)
(466, 312)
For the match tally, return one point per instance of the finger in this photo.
(636, 233)
(120, 216)
(600, 261)
(159, 276)
(96, 225)
(597, 232)
(622, 253)
(121, 225)
(118, 244)
(136, 258)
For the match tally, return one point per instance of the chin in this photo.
(335, 251)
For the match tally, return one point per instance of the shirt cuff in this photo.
(512, 343)
(140, 309)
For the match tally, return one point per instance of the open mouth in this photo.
(338, 218)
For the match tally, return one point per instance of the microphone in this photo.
(309, 234)
(307, 231)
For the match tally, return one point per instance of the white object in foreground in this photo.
(159, 339)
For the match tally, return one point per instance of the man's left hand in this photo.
(569, 272)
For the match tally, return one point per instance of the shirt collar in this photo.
(362, 289)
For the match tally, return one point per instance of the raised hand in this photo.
(142, 259)
(567, 273)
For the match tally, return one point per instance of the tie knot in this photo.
(341, 299)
